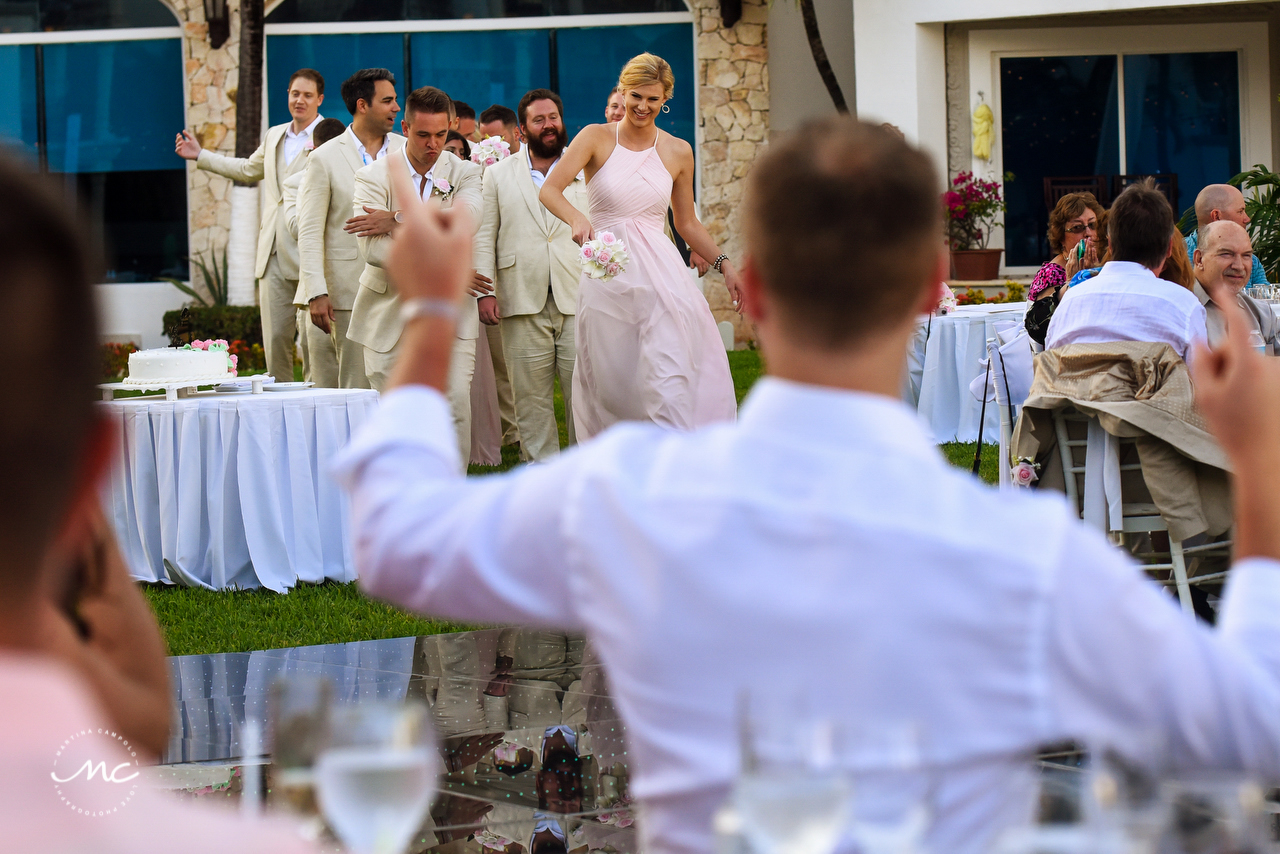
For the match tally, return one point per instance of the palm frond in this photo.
(1261, 187)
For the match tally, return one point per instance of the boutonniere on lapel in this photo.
(442, 188)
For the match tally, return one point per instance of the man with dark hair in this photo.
(279, 156)
(536, 280)
(465, 120)
(501, 121)
(82, 666)
(327, 230)
(672, 550)
(376, 321)
(1127, 301)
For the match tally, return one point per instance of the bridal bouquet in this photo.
(604, 257)
(490, 151)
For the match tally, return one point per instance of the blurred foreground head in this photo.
(844, 225)
(49, 356)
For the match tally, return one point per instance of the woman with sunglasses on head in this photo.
(1074, 219)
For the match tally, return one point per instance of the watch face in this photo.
(399, 218)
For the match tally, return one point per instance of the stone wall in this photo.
(733, 127)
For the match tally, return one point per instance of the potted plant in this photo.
(973, 206)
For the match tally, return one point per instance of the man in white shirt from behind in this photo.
(1128, 301)
(822, 538)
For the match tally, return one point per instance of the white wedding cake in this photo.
(202, 362)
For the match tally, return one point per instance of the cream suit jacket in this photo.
(329, 260)
(289, 213)
(261, 168)
(375, 320)
(524, 244)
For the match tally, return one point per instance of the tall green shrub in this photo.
(229, 322)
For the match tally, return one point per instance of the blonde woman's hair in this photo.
(645, 69)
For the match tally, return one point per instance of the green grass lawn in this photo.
(204, 621)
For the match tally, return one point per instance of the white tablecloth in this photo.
(223, 490)
(944, 356)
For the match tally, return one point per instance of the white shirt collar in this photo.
(418, 180)
(360, 149)
(528, 158)
(306, 131)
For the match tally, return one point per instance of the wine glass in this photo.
(791, 796)
(376, 775)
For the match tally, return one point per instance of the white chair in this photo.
(1007, 382)
(1095, 460)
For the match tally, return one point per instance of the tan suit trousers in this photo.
(537, 348)
(333, 349)
(506, 400)
(462, 367)
(279, 319)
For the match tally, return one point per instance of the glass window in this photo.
(482, 68)
(18, 98)
(315, 11)
(1059, 117)
(143, 220)
(113, 106)
(25, 16)
(1182, 116)
(336, 57)
(591, 58)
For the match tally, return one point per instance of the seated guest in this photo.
(1074, 218)
(1127, 301)
(1178, 268)
(885, 576)
(79, 648)
(1222, 262)
(1218, 202)
(457, 143)
(1082, 266)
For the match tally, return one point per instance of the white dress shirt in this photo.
(539, 178)
(821, 538)
(1127, 302)
(364, 155)
(422, 183)
(295, 142)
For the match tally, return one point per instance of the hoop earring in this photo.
(666, 108)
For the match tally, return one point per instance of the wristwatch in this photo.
(399, 216)
(423, 306)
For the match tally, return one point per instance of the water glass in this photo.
(298, 709)
(792, 796)
(377, 774)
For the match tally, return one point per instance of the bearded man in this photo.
(532, 260)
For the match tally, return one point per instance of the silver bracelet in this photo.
(720, 260)
(411, 309)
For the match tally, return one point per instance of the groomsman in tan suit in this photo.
(320, 367)
(436, 174)
(281, 154)
(327, 232)
(531, 256)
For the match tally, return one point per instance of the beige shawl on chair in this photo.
(1141, 391)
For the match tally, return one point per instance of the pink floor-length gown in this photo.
(648, 346)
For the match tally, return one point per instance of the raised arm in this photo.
(488, 549)
(684, 211)
(246, 170)
(1126, 664)
(580, 154)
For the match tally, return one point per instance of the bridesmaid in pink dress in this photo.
(647, 345)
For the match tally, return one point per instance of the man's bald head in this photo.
(1220, 202)
(1224, 256)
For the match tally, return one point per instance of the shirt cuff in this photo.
(415, 416)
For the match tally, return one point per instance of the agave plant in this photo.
(215, 281)
(1261, 188)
